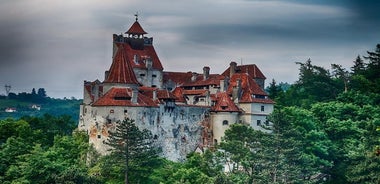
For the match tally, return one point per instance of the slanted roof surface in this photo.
(251, 70)
(122, 97)
(224, 103)
(121, 70)
(136, 29)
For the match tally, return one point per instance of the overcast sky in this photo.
(57, 44)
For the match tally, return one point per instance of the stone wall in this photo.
(177, 131)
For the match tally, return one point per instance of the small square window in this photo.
(225, 122)
(99, 136)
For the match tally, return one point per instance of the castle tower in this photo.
(135, 35)
(223, 114)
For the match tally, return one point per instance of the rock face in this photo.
(183, 110)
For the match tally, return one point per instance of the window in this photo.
(154, 75)
(225, 122)
(258, 122)
(99, 136)
(262, 108)
(142, 75)
(111, 111)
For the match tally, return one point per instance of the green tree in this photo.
(202, 168)
(315, 84)
(301, 147)
(359, 66)
(133, 149)
(373, 67)
(341, 74)
(274, 90)
(41, 92)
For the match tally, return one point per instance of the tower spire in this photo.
(137, 16)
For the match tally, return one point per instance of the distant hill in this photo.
(25, 104)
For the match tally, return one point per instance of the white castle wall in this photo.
(149, 77)
(177, 131)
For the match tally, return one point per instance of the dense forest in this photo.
(325, 129)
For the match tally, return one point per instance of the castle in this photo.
(184, 111)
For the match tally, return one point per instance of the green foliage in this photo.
(27, 155)
(275, 91)
(198, 168)
(133, 150)
(54, 107)
(315, 84)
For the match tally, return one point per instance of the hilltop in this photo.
(37, 104)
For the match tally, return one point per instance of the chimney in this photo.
(193, 77)
(135, 93)
(236, 91)
(154, 94)
(224, 84)
(232, 68)
(206, 72)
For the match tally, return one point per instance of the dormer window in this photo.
(136, 59)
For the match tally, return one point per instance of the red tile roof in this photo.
(122, 97)
(249, 89)
(252, 70)
(142, 55)
(213, 79)
(178, 93)
(161, 93)
(136, 29)
(165, 94)
(121, 70)
(178, 77)
(224, 103)
(184, 79)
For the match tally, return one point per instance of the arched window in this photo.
(225, 122)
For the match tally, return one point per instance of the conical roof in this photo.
(136, 29)
(121, 70)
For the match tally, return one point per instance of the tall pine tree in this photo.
(133, 148)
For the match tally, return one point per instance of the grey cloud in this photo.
(62, 43)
